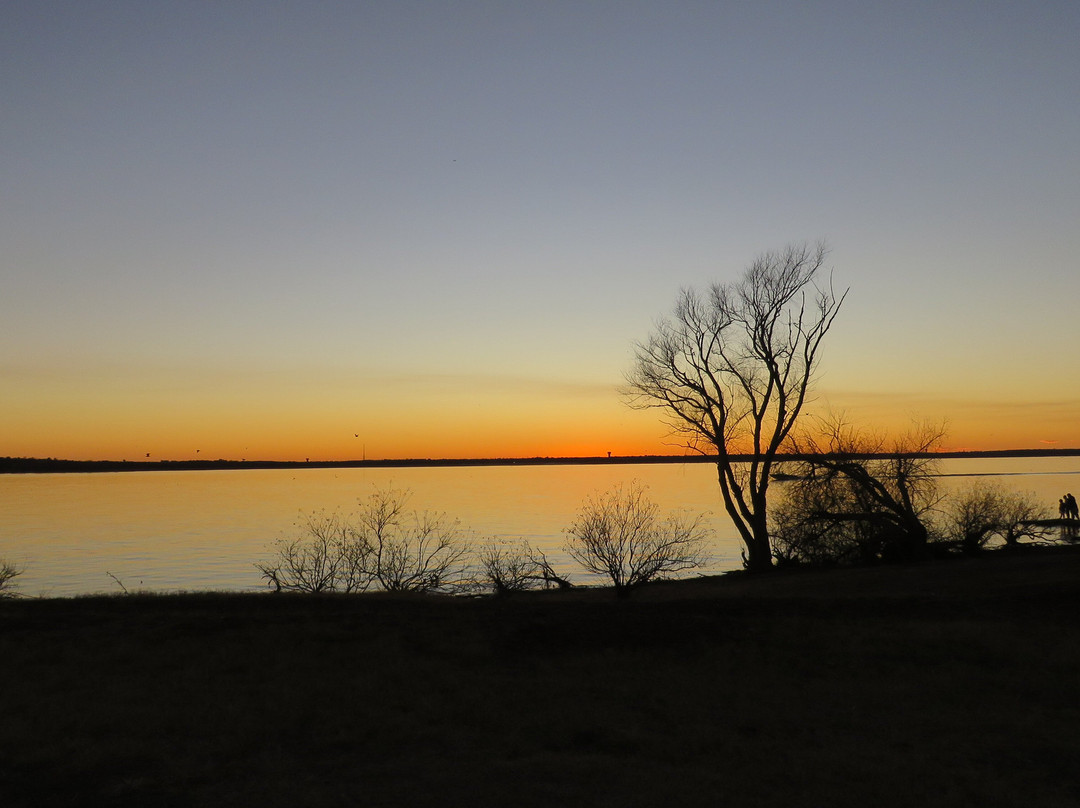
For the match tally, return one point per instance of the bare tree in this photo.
(621, 535)
(412, 551)
(732, 371)
(869, 496)
(8, 573)
(505, 569)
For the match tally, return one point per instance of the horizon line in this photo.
(16, 465)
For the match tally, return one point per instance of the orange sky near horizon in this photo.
(590, 422)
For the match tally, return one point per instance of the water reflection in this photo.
(205, 529)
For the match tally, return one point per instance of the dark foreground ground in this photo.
(954, 684)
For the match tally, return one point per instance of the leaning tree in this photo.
(858, 496)
(732, 368)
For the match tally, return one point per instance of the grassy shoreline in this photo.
(946, 684)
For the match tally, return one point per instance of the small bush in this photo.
(384, 546)
(979, 514)
(414, 551)
(621, 535)
(505, 569)
(8, 573)
(328, 556)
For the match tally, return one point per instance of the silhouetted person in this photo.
(1070, 507)
(1063, 509)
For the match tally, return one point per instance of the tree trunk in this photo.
(753, 529)
(759, 554)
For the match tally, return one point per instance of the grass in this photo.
(951, 684)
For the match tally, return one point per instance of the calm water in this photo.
(202, 530)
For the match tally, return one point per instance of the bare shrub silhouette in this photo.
(412, 551)
(505, 569)
(977, 515)
(8, 573)
(620, 534)
(327, 556)
(384, 546)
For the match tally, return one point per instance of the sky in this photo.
(333, 230)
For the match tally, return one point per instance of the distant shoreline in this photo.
(32, 465)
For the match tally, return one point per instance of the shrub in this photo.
(505, 569)
(621, 535)
(975, 516)
(414, 551)
(327, 556)
(383, 546)
(8, 573)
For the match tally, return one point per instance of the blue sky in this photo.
(265, 228)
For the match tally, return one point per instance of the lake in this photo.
(168, 531)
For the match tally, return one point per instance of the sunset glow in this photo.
(391, 232)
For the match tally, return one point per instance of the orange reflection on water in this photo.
(200, 530)
(173, 530)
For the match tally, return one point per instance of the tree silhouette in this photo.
(732, 369)
(860, 496)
